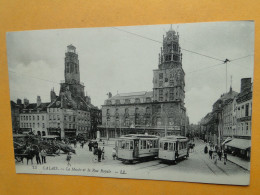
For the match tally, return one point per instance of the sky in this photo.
(112, 60)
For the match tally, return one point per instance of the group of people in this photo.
(216, 153)
(40, 154)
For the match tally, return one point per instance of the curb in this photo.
(239, 165)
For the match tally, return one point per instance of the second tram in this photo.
(137, 147)
(173, 148)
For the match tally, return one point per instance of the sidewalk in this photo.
(239, 161)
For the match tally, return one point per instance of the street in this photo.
(198, 167)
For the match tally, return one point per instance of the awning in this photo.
(227, 140)
(50, 136)
(240, 143)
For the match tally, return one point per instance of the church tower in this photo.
(168, 80)
(72, 75)
(71, 65)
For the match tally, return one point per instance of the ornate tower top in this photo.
(72, 74)
(170, 52)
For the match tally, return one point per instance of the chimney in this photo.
(53, 95)
(109, 95)
(26, 102)
(38, 101)
(245, 85)
(19, 101)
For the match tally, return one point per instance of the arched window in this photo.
(158, 121)
(137, 100)
(127, 121)
(148, 99)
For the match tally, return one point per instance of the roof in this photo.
(137, 136)
(50, 136)
(175, 138)
(132, 95)
(239, 143)
(229, 95)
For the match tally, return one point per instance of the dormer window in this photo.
(117, 101)
(127, 101)
(109, 102)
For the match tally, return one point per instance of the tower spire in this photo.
(171, 28)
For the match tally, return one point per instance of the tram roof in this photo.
(137, 136)
(174, 137)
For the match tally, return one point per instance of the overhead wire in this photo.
(161, 43)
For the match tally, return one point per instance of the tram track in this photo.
(219, 168)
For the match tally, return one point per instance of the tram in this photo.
(135, 147)
(173, 148)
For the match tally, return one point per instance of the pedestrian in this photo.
(37, 154)
(114, 153)
(90, 146)
(225, 156)
(68, 158)
(75, 143)
(82, 144)
(219, 154)
(43, 154)
(99, 153)
(206, 149)
(103, 153)
(95, 147)
(215, 157)
(210, 153)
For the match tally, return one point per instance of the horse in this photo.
(29, 155)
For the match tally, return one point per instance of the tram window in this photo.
(171, 146)
(156, 144)
(174, 147)
(127, 145)
(123, 145)
(149, 144)
(161, 145)
(165, 147)
(131, 145)
(144, 144)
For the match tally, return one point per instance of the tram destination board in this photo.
(159, 102)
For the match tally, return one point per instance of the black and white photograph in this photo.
(159, 102)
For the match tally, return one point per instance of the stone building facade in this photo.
(15, 116)
(244, 110)
(159, 111)
(72, 106)
(69, 114)
(34, 117)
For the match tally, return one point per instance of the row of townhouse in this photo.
(52, 118)
(229, 123)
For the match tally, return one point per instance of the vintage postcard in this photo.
(161, 102)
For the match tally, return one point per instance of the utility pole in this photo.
(225, 62)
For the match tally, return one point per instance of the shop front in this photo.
(239, 147)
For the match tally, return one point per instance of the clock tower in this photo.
(168, 80)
